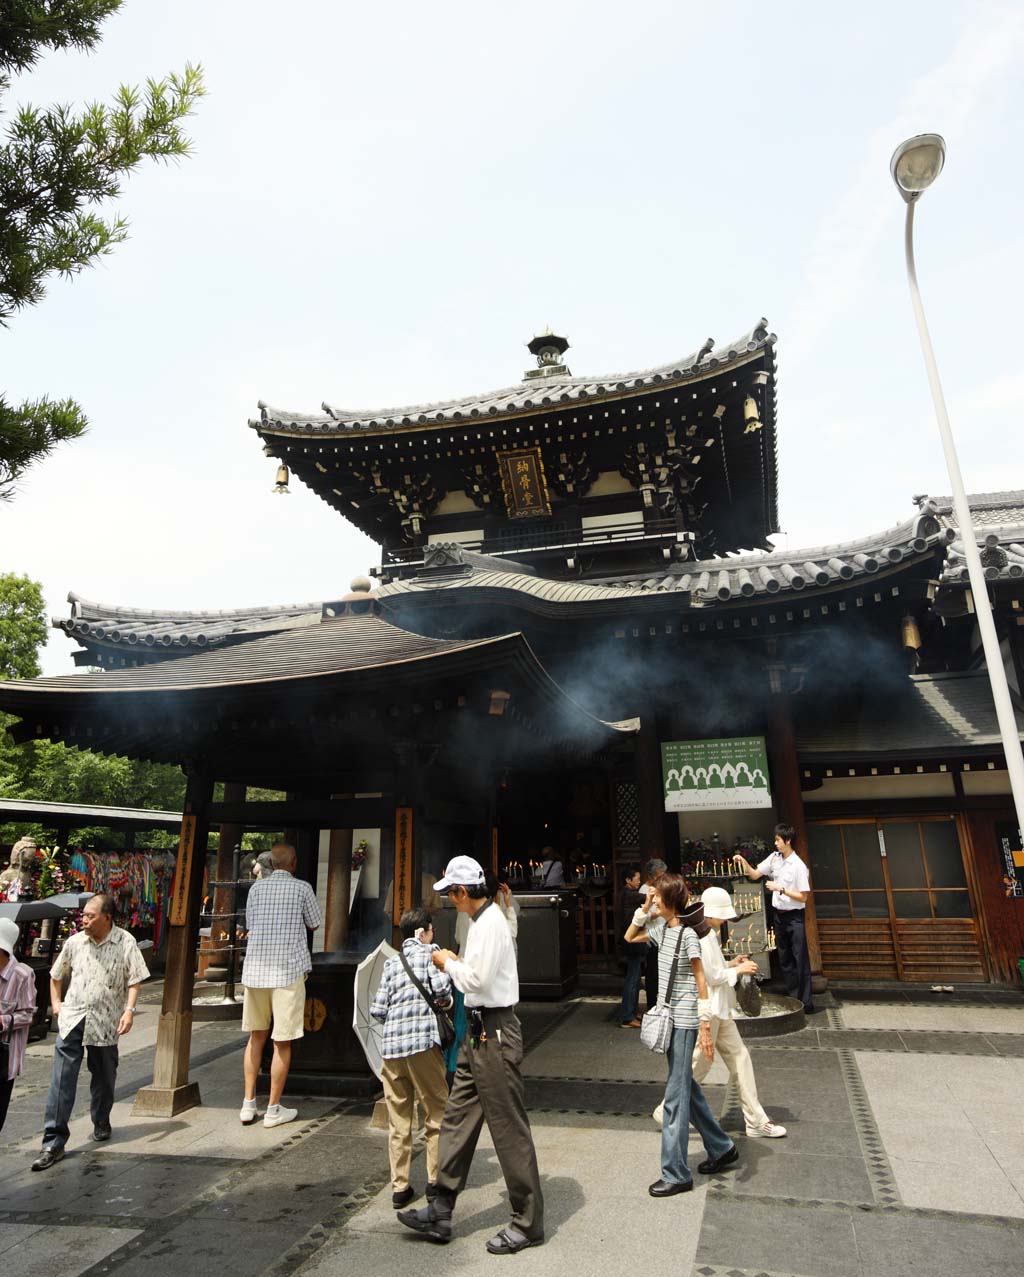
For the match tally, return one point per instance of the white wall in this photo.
(837, 789)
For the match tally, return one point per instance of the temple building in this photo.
(576, 579)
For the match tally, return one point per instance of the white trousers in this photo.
(729, 1046)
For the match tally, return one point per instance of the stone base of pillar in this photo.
(166, 1101)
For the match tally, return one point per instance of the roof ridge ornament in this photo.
(548, 347)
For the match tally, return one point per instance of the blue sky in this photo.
(386, 202)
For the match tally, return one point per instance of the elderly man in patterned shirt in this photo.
(279, 911)
(106, 969)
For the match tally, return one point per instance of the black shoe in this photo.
(47, 1158)
(100, 1134)
(398, 1200)
(431, 1191)
(715, 1164)
(668, 1188)
(424, 1222)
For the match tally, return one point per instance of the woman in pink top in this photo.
(17, 1007)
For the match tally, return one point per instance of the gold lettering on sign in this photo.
(179, 891)
(402, 895)
(524, 483)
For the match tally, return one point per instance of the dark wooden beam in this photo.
(171, 1091)
(310, 813)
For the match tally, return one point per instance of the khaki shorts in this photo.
(286, 1007)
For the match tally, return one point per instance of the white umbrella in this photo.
(369, 1031)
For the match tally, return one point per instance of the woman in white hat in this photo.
(721, 979)
(17, 1007)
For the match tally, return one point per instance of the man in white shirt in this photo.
(106, 970)
(790, 885)
(488, 1084)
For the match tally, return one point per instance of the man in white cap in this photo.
(17, 1008)
(488, 1084)
(729, 1046)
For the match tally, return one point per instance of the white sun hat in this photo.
(718, 904)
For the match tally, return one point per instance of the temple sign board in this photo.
(705, 775)
(524, 483)
(1008, 836)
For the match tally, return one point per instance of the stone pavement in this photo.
(905, 1156)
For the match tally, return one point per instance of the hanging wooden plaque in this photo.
(401, 897)
(523, 483)
(183, 874)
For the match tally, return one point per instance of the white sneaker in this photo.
(279, 1116)
(247, 1113)
(659, 1113)
(766, 1131)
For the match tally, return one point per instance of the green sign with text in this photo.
(705, 775)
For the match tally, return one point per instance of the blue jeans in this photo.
(685, 1102)
(630, 1005)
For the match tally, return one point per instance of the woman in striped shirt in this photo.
(659, 921)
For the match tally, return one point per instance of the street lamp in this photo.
(914, 166)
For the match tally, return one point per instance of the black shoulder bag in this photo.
(445, 1027)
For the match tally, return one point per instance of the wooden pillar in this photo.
(650, 794)
(171, 1091)
(230, 838)
(339, 888)
(789, 803)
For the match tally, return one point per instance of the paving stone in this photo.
(948, 1043)
(59, 1249)
(936, 1246)
(811, 1241)
(862, 1039)
(766, 1171)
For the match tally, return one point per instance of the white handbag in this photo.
(656, 1026)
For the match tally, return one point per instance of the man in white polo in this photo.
(279, 911)
(790, 885)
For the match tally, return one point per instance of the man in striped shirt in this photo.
(279, 912)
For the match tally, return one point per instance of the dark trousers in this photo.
(488, 1087)
(651, 976)
(67, 1061)
(629, 1008)
(791, 940)
(6, 1087)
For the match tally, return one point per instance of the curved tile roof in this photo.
(934, 714)
(716, 581)
(524, 397)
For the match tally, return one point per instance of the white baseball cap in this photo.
(463, 871)
(9, 934)
(718, 904)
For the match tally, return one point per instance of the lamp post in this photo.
(914, 166)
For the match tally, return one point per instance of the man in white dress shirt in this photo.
(488, 1084)
(790, 885)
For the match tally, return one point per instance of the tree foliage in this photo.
(57, 168)
(47, 771)
(22, 626)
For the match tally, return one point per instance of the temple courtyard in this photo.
(905, 1154)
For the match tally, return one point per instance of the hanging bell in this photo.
(280, 488)
(751, 419)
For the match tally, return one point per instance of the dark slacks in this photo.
(67, 1061)
(6, 1087)
(629, 1007)
(651, 976)
(488, 1087)
(791, 940)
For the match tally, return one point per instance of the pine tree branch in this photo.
(30, 432)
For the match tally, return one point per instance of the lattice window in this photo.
(627, 814)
